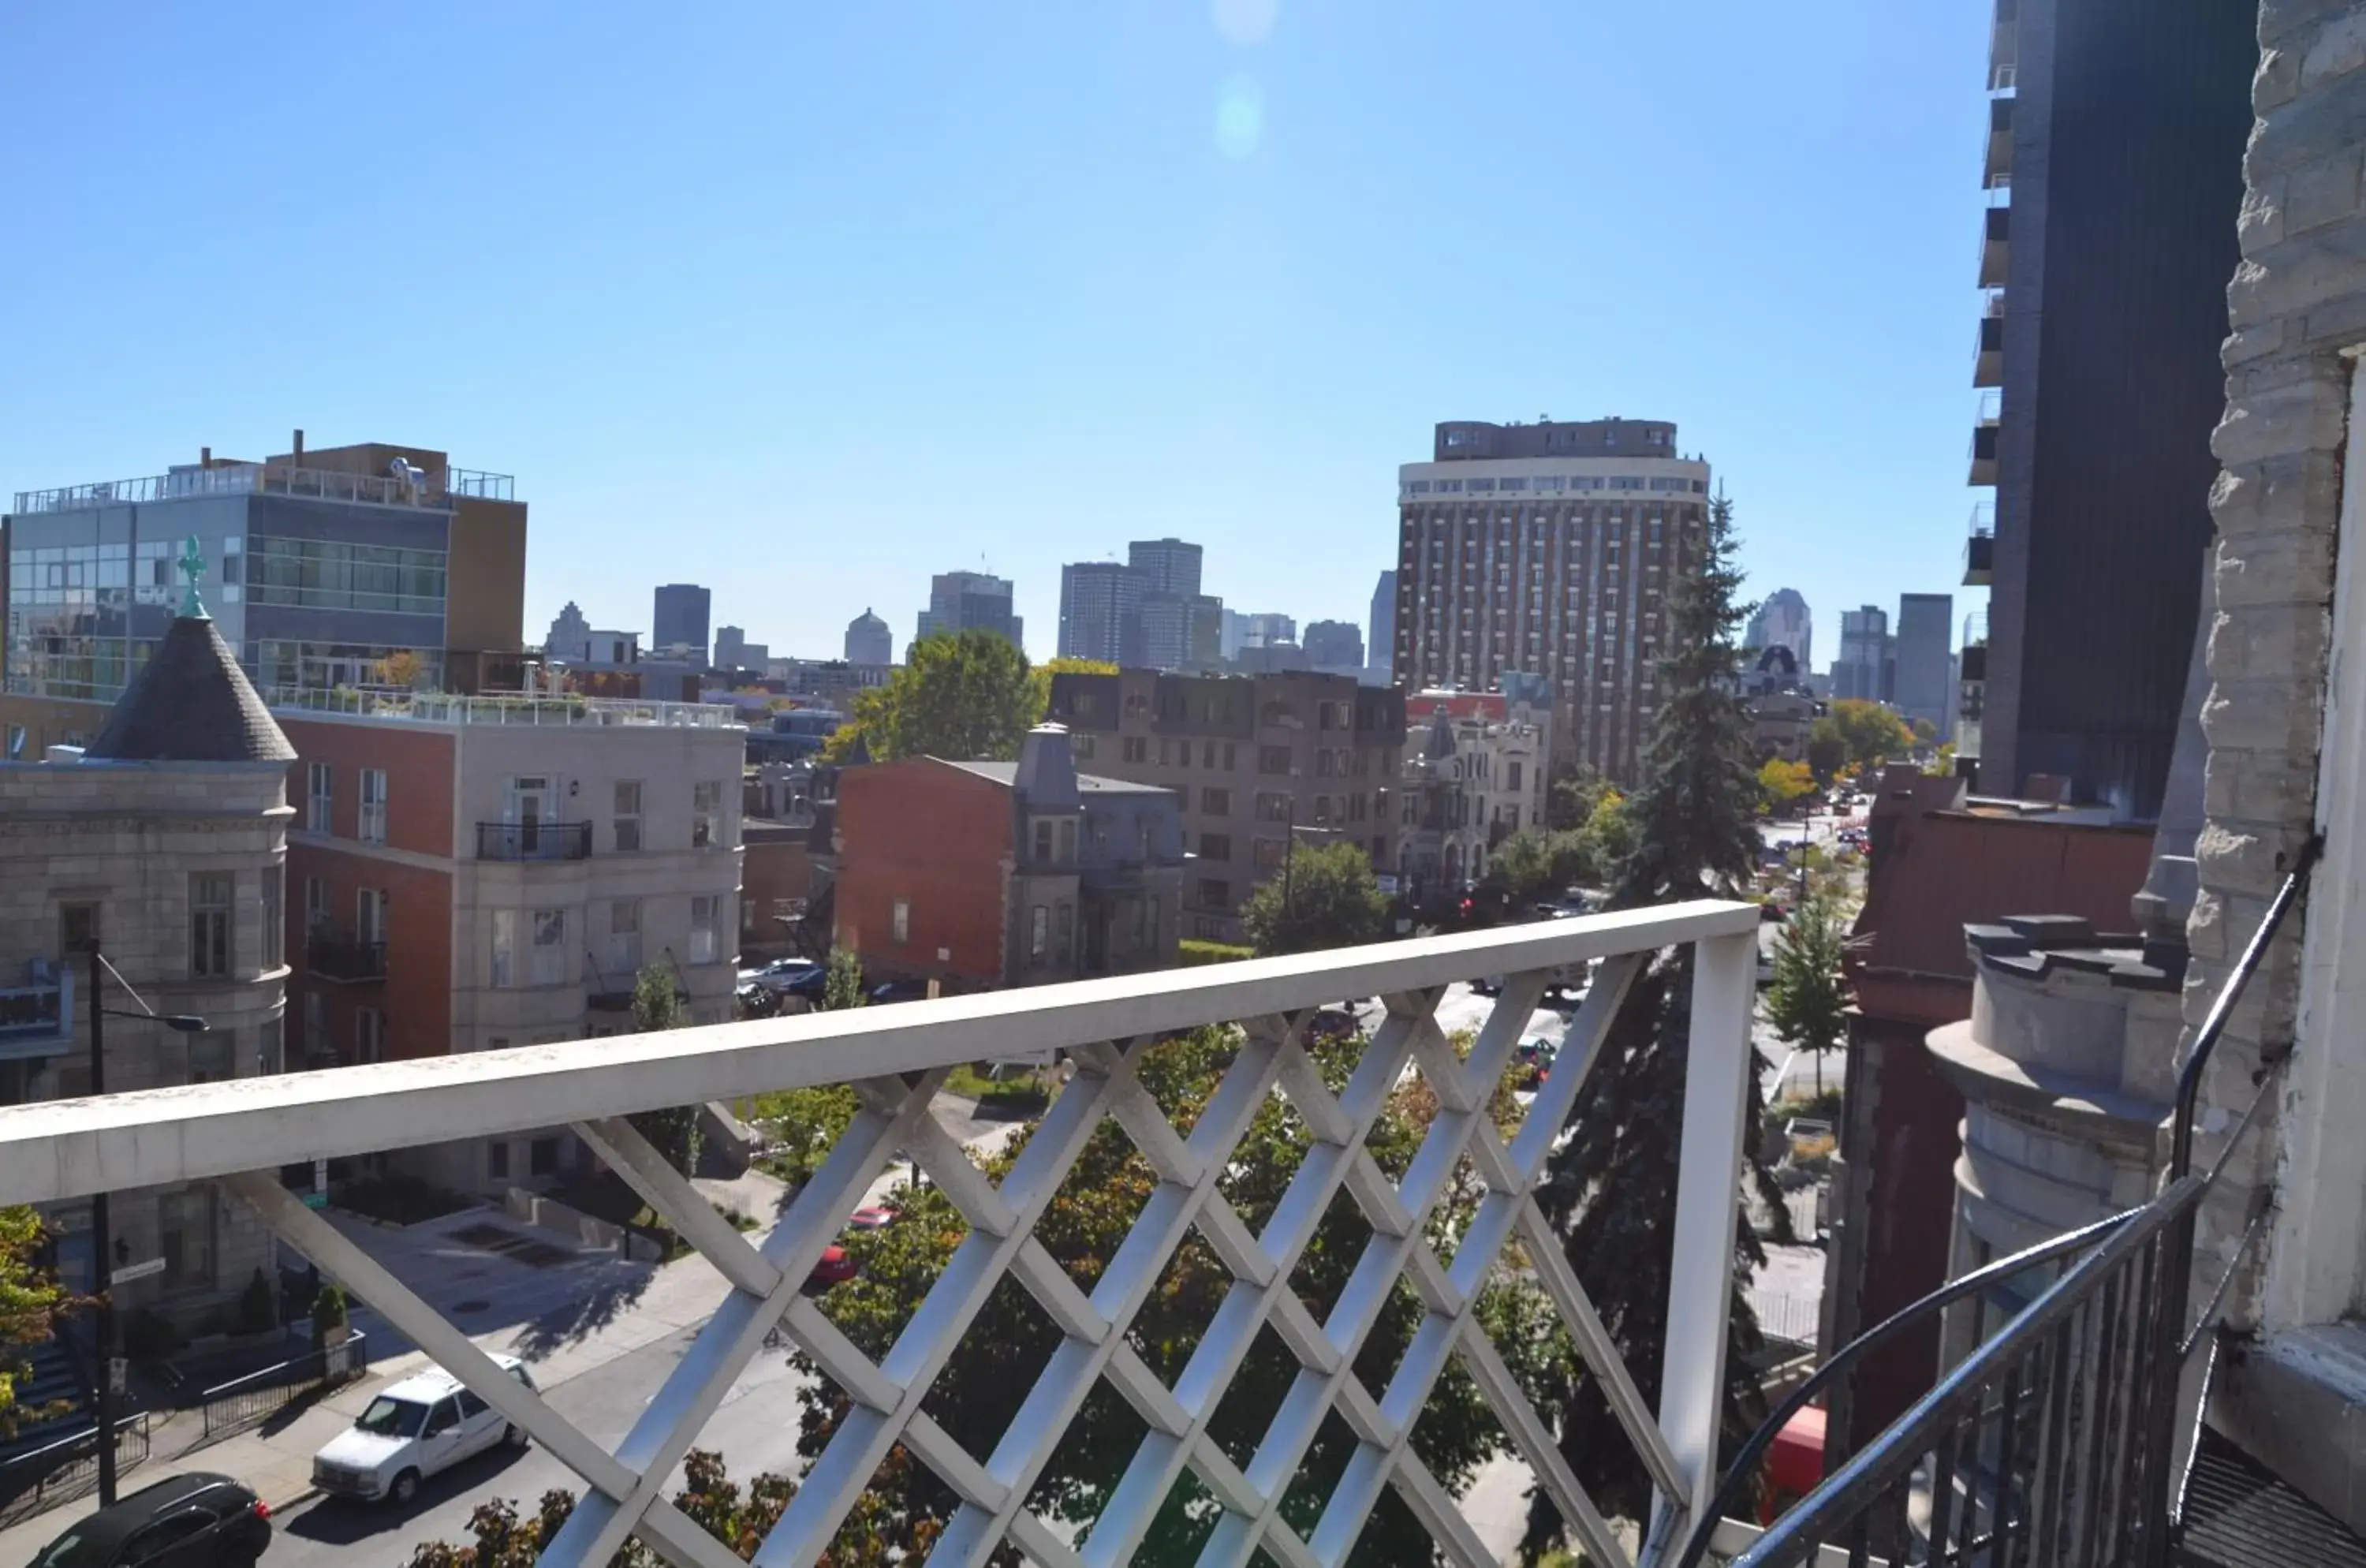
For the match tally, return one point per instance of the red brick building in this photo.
(984, 874)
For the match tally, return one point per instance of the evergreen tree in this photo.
(1611, 1189)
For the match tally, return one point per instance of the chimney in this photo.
(205, 456)
(300, 449)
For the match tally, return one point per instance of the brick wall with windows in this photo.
(938, 841)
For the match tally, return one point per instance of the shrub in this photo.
(1194, 953)
(328, 1312)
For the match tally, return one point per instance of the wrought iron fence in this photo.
(42, 1477)
(253, 1399)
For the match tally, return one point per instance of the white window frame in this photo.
(627, 823)
(706, 927)
(502, 970)
(369, 824)
(902, 918)
(320, 798)
(547, 958)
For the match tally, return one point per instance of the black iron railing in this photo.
(39, 1478)
(256, 1397)
(2056, 1441)
(343, 960)
(534, 841)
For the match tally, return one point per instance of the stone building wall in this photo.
(126, 838)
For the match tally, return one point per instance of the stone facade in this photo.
(122, 843)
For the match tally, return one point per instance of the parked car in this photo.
(836, 1265)
(781, 974)
(873, 1219)
(198, 1520)
(426, 1423)
(1331, 1024)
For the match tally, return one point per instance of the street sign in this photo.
(316, 1200)
(139, 1270)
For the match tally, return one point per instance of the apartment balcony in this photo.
(1996, 237)
(37, 1014)
(1979, 546)
(343, 960)
(1996, 160)
(1984, 441)
(2004, 45)
(1987, 353)
(534, 841)
(1377, 1383)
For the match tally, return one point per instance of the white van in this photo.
(428, 1422)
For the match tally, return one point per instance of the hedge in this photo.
(1197, 952)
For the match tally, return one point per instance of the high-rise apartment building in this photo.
(1783, 621)
(680, 618)
(971, 601)
(368, 566)
(2114, 156)
(1925, 686)
(1863, 670)
(1101, 613)
(1168, 566)
(1548, 548)
(868, 640)
(1382, 639)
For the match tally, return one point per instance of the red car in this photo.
(834, 1268)
(869, 1219)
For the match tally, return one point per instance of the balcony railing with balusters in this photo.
(241, 1135)
(534, 841)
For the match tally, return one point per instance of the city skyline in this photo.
(1061, 267)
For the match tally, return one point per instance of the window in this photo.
(1229, 752)
(319, 799)
(316, 905)
(903, 921)
(369, 916)
(1215, 846)
(628, 816)
(1274, 807)
(271, 1047)
(211, 1055)
(1039, 933)
(550, 947)
(274, 917)
(1215, 893)
(625, 936)
(185, 1226)
(542, 1157)
(706, 927)
(505, 948)
(1512, 776)
(1273, 759)
(1270, 853)
(1216, 802)
(369, 1035)
(497, 1161)
(372, 826)
(1083, 746)
(77, 928)
(471, 1406)
(706, 814)
(1044, 838)
(1064, 929)
(1137, 749)
(209, 912)
(316, 1044)
(1068, 839)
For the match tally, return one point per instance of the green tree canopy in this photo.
(1783, 784)
(1611, 1188)
(959, 696)
(30, 1298)
(657, 1004)
(1574, 795)
(988, 1377)
(1859, 734)
(1327, 897)
(1805, 1002)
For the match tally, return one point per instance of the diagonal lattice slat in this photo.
(623, 1488)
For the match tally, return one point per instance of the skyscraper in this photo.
(1547, 548)
(1334, 645)
(1381, 637)
(1168, 566)
(1101, 613)
(679, 619)
(1861, 671)
(868, 640)
(570, 635)
(963, 601)
(2113, 160)
(730, 648)
(1925, 687)
(1783, 619)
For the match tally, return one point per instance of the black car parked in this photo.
(188, 1521)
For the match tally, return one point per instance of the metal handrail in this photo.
(1745, 1463)
(1964, 1388)
(2213, 1023)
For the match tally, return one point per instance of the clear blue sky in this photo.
(808, 302)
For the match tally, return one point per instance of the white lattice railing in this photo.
(242, 1132)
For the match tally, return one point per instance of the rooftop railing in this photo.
(241, 1134)
(565, 710)
(272, 478)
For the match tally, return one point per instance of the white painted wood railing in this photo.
(242, 1132)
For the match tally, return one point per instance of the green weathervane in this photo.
(192, 567)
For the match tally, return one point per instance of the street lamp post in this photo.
(102, 1243)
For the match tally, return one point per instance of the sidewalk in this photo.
(565, 1319)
